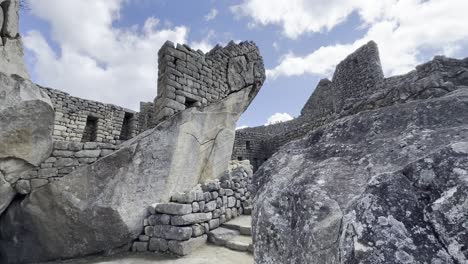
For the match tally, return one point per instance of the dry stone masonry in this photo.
(188, 78)
(355, 79)
(81, 120)
(185, 223)
(192, 146)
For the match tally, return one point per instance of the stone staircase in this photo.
(235, 234)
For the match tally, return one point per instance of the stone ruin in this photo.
(356, 78)
(373, 170)
(76, 165)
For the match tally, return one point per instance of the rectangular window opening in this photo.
(90, 131)
(247, 145)
(189, 102)
(126, 131)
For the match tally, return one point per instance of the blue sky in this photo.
(107, 49)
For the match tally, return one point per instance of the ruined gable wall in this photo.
(188, 78)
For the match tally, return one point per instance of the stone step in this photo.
(248, 210)
(240, 243)
(243, 224)
(231, 239)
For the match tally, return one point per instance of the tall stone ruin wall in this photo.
(357, 85)
(188, 78)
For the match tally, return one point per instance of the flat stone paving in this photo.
(208, 254)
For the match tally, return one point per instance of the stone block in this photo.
(90, 145)
(198, 230)
(23, 187)
(207, 196)
(231, 202)
(158, 244)
(195, 207)
(62, 153)
(186, 247)
(187, 197)
(48, 172)
(173, 208)
(216, 213)
(139, 246)
(61, 145)
(75, 146)
(66, 162)
(88, 153)
(229, 192)
(172, 232)
(189, 219)
(210, 206)
(159, 219)
(214, 223)
(143, 238)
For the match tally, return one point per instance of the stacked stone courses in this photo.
(358, 84)
(65, 158)
(183, 224)
(71, 114)
(189, 78)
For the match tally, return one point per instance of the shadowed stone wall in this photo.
(81, 120)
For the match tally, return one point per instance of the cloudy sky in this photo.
(106, 50)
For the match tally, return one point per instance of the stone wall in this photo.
(357, 85)
(81, 120)
(188, 78)
(65, 158)
(183, 225)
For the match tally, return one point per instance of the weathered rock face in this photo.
(26, 123)
(11, 47)
(102, 206)
(387, 185)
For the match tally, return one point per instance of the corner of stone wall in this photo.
(184, 224)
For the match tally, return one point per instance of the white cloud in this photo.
(275, 45)
(403, 29)
(241, 127)
(278, 118)
(97, 60)
(212, 14)
(205, 44)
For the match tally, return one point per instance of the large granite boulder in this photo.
(384, 185)
(26, 124)
(11, 46)
(102, 206)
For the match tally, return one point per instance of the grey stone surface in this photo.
(191, 147)
(186, 247)
(381, 186)
(188, 219)
(220, 236)
(11, 47)
(157, 244)
(26, 121)
(159, 219)
(172, 232)
(173, 208)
